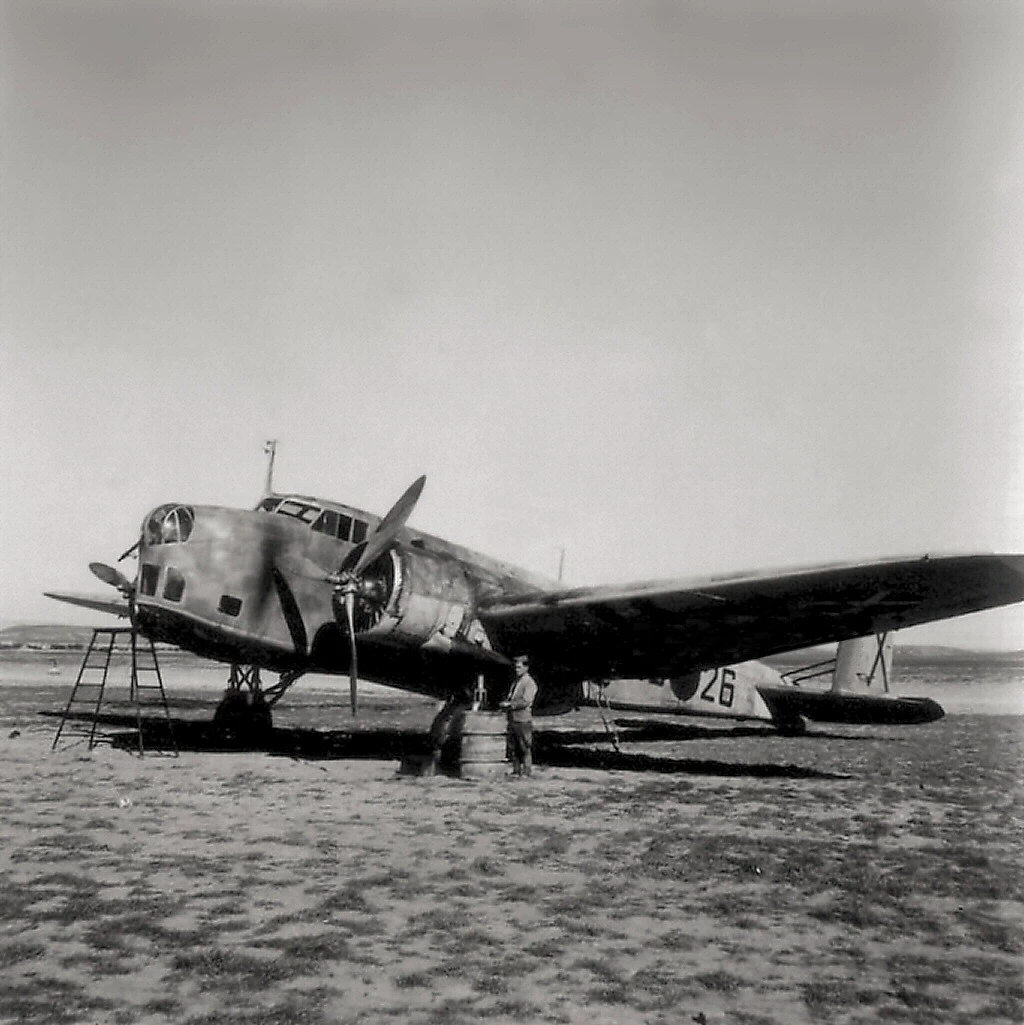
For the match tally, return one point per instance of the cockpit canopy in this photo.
(331, 522)
(168, 524)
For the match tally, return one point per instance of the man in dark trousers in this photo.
(520, 718)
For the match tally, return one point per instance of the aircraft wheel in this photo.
(243, 719)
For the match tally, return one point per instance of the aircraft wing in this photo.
(665, 628)
(100, 603)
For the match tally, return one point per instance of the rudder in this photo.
(864, 665)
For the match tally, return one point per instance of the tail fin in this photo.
(864, 664)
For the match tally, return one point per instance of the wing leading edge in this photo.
(663, 628)
(114, 606)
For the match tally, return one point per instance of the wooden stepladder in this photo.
(86, 699)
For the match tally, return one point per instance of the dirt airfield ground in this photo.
(704, 874)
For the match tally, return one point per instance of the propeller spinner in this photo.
(347, 582)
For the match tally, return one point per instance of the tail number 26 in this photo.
(719, 688)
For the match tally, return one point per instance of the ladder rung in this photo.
(89, 693)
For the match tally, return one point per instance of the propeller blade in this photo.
(111, 576)
(389, 527)
(353, 669)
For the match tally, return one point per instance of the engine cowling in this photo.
(413, 596)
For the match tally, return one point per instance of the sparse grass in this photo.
(720, 981)
(18, 951)
(308, 952)
(165, 1006)
(346, 899)
(49, 1001)
(98, 962)
(827, 993)
(546, 948)
(679, 941)
(230, 970)
(641, 894)
(411, 980)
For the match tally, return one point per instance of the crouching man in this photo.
(519, 705)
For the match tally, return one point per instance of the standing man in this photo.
(520, 718)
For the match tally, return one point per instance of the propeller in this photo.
(347, 581)
(114, 577)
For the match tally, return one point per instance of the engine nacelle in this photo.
(410, 595)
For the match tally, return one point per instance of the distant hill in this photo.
(930, 654)
(47, 635)
(906, 655)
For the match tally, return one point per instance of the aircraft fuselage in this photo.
(252, 587)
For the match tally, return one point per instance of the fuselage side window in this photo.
(174, 586)
(150, 575)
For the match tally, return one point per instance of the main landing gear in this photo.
(243, 716)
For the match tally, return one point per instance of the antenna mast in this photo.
(270, 450)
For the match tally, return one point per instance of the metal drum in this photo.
(484, 753)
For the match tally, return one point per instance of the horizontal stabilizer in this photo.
(99, 603)
(788, 703)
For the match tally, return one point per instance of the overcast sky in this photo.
(681, 287)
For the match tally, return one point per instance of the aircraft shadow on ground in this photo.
(580, 749)
(657, 730)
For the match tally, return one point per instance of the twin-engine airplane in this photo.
(304, 585)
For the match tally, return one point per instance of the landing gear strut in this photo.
(243, 715)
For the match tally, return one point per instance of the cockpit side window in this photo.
(323, 521)
(268, 505)
(327, 523)
(301, 511)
